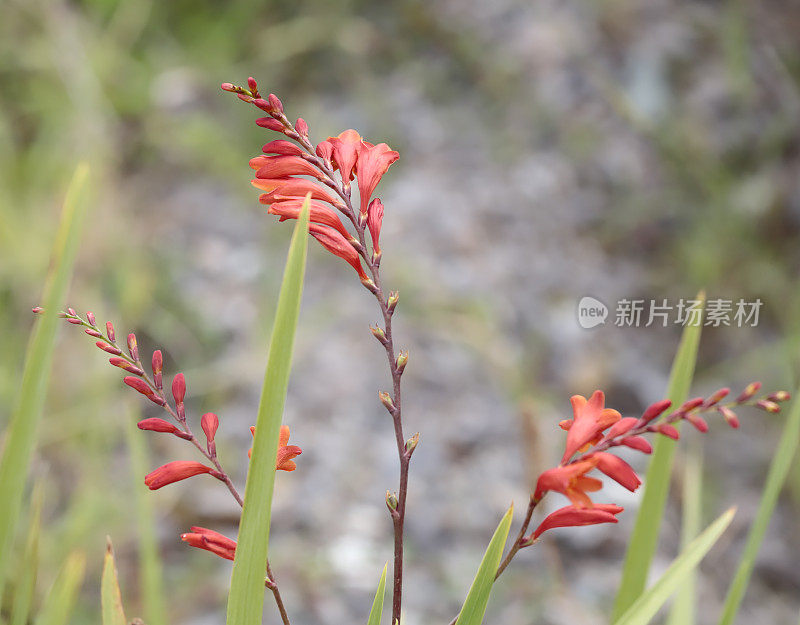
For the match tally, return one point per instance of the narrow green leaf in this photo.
(110, 596)
(644, 539)
(21, 435)
(377, 604)
(26, 581)
(478, 597)
(246, 598)
(778, 471)
(649, 603)
(683, 611)
(154, 603)
(60, 601)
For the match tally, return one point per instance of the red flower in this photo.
(570, 516)
(336, 244)
(292, 188)
(321, 214)
(286, 452)
(285, 166)
(591, 418)
(374, 222)
(174, 472)
(373, 161)
(344, 153)
(212, 541)
(570, 480)
(155, 424)
(617, 469)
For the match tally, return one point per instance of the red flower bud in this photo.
(133, 348)
(175, 472)
(301, 126)
(691, 404)
(124, 364)
(37, 310)
(212, 541)
(779, 396)
(226, 86)
(91, 318)
(697, 422)
(655, 410)
(93, 333)
(252, 85)
(108, 348)
(157, 364)
(571, 516)
(110, 331)
(209, 422)
(374, 222)
(638, 443)
(270, 124)
(730, 416)
(618, 470)
(750, 390)
(769, 406)
(155, 424)
(179, 388)
(667, 430)
(283, 147)
(275, 104)
(718, 396)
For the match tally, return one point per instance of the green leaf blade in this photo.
(23, 426)
(649, 603)
(246, 598)
(26, 584)
(477, 599)
(776, 478)
(61, 599)
(110, 596)
(377, 603)
(644, 539)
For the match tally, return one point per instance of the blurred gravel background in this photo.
(549, 150)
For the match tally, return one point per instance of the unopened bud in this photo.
(72, 312)
(133, 347)
(655, 410)
(369, 284)
(253, 86)
(75, 322)
(179, 388)
(691, 404)
(402, 360)
(110, 332)
(124, 364)
(769, 406)
(697, 422)
(157, 365)
(779, 396)
(108, 348)
(275, 104)
(411, 443)
(717, 397)
(37, 310)
(93, 333)
(226, 86)
(391, 501)
(378, 333)
(301, 126)
(270, 124)
(730, 416)
(667, 430)
(91, 318)
(750, 390)
(386, 400)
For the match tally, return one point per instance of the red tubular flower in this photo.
(374, 222)
(570, 480)
(617, 469)
(292, 188)
(591, 418)
(344, 153)
(285, 166)
(336, 244)
(570, 516)
(286, 452)
(373, 162)
(321, 214)
(174, 472)
(212, 541)
(281, 146)
(179, 388)
(155, 424)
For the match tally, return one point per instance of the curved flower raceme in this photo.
(291, 169)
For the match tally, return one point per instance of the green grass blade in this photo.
(377, 604)
(21, 435)
(644, 540)
(26, 584)
(683, 611)
(478, 596)
(110, 596)
(154, 602)
(61, 599)
(648, 604)
(246, 598)
(778, 471)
